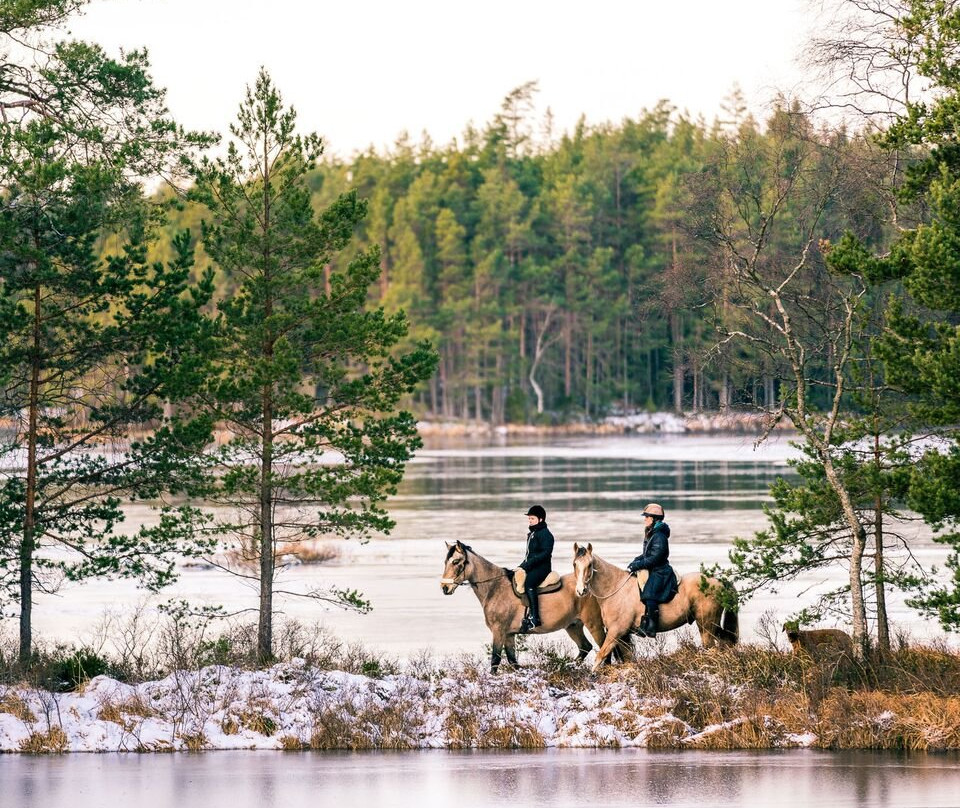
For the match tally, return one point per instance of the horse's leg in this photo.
(625, 648)
(510, 646)
(575, 632)
(708, 621)
(496, 645)
(603, 655)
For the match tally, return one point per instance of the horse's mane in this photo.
(455, 545)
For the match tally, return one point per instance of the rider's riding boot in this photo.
(648, 623)
(532, 618)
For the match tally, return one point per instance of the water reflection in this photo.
(481, 481)
(554, 778)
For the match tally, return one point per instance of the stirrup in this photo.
(527, 625)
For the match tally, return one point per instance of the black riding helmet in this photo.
(538, 511)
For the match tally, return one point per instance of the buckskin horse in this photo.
(708, 602)
(503, 609)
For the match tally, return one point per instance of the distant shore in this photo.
(641, 423)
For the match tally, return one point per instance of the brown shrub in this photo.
(54, 741)
(873, 720)
(194, 741)
(291, 743)
(667, 734)
(17, 707)
(119, 713)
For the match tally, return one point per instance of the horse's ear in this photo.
(575, 548)
(590, 547)
(448, 545)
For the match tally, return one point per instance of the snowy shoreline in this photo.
(294, 705)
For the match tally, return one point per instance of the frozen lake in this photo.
(554, 779)
(594, 490)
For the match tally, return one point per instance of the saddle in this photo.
(550, 584)
(642, 575)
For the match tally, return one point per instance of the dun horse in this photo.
(503, 610)
(700, 599)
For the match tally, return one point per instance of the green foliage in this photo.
(305, 375)
(94, 343)
(921, 342)
(67, 673)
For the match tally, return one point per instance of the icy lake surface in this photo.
(554, 778)
(594, 489)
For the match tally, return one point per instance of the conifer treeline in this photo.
(571, 277)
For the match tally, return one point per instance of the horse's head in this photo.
(582, 566)
(454, 567)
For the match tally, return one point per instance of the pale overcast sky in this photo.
(361, 71)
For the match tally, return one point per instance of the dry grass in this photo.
(310, 551)
(872, 720)
(346, 726)
(389, 722)
(291, 743)
(15, 705)
(194, 741)
(120, 713)
(256, 720)
(752, 698)
(53, 741)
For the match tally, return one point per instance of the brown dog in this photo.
(818, 641)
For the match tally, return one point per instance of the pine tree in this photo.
(305, 383)
(91, 345)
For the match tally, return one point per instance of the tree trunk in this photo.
(267, 559)
(588, 374)
(879, 570)
(538, 351)
(676, 337)
(28, 545)
(858, 545)
(883, 626)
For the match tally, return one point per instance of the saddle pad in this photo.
(550, 584)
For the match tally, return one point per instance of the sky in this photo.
(361, 72)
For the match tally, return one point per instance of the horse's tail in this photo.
(729, 628)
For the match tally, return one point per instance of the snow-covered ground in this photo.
(293, 705)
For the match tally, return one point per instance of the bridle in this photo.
(587, 589)
(463, 582)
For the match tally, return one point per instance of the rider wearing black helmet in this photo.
(536, 563)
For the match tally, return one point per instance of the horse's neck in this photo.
(481, 568)
(605, 572)
(487, 574)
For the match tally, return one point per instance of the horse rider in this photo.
(661, 584)
(536, 563)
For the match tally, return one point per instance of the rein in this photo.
(472, 583)
(588, 588)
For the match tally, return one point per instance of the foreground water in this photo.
(555, 778)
